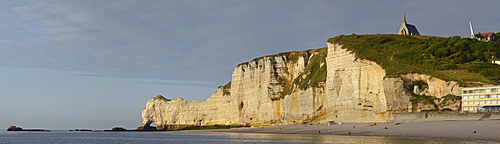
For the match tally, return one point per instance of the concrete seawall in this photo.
(442, 116)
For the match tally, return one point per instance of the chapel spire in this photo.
(404, 18)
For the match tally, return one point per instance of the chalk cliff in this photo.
(314, 86)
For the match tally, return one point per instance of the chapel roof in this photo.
(412, 28)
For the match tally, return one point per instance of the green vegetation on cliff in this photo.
(315, 71)
(452, 59)
(226, 89)
(448, 98)
(292, 56)
(160, 97)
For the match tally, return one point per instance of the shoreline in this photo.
(468, 130)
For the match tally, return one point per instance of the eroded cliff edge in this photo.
(314, 86)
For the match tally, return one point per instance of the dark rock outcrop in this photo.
(14, 128)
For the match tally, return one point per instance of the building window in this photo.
(481, 96)
(481, 102)
(488, 102)
(488, 91)
(481, 90)
(476, 91)
(493, 90)
(494, 102)
(470, 91)
(487, 96)
(465, 91)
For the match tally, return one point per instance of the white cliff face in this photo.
(253, 97)
(265, 91)
(356, 89)
(256, 89)
(216, 110)
(252, 87)
(436, 87)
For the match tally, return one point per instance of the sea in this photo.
(75, 137)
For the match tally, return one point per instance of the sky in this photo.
(67, 64)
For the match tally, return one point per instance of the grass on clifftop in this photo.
(291, 56)
(451, 59)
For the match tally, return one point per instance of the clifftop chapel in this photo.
(407, 29)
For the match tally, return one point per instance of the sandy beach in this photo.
(480, 130)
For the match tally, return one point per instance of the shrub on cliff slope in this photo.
(160, 97)
(226, 89)
(452, 58)
(315, 71)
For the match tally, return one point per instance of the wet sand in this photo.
(481, 130)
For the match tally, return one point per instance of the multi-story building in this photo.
(481, 99)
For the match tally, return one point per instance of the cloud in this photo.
(193, 40)
(204, 84)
